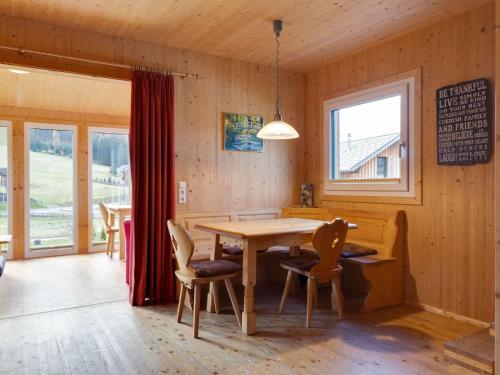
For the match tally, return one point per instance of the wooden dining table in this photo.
(121, 211)
(260, 234)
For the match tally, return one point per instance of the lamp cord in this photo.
(278, 113)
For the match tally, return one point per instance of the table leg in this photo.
(121, 221)
(295, 285)
(249, 281)
(216, 253)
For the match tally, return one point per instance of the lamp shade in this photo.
(277, 129)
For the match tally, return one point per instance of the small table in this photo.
(5, 239)
(260, 234)
(122, 211)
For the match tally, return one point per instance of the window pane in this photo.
(110, 176)
(51, 188)
(4, 222)
(381, 166)
(365, 135)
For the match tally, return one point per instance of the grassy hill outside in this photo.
(51, 196)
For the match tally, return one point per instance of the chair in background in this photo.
(323, 266)
(192, 275)
(110, 231)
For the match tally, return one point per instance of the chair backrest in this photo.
(105, 215)
(182, 243)
(328, 241)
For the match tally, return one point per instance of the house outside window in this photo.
(382, 166)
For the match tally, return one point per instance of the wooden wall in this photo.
(217, 179)
(450, 238)
(450, 252)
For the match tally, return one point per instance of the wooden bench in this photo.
(379, 277)
(204, 241)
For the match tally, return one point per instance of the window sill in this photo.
(385, 197)
(372, 199)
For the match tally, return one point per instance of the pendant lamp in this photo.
(277, 129)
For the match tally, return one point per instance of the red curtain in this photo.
(153, 199)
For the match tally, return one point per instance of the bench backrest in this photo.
(384, 232)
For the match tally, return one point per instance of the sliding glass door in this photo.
(5, 181)
(50, 196)
(109, 175)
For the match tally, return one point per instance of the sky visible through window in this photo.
(372, 119)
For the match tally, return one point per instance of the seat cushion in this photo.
(279, 249)
(2, 264)
(351, 250)
(209, 268)
(302, 262)
(234, 249)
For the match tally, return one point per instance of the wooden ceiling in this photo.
(315, 31)
(43, 89)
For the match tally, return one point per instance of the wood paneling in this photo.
(450, 236)
(216, 179)
(315, 31)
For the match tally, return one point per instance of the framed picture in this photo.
(240, 132)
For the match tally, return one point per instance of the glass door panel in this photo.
(5, 191)
(110, 174)
(51, 187)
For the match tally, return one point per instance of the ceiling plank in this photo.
(315, 31)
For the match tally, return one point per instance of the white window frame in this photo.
(405, 185)
(10, 190)
(36, 253)
(106, 130)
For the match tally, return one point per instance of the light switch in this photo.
(182, 192)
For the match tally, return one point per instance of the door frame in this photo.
(105, 129)
(28, 252)
(10, 190)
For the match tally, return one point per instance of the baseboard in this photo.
(437, 310)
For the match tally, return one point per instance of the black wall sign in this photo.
(464, 123)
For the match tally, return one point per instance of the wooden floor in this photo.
(48, 284)
(42, 332)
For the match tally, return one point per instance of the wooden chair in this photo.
(192, 275)
(328, 240)
(110, 231)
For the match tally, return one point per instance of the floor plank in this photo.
(48, 284)
(111, 337)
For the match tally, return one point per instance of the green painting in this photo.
(240, 132)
